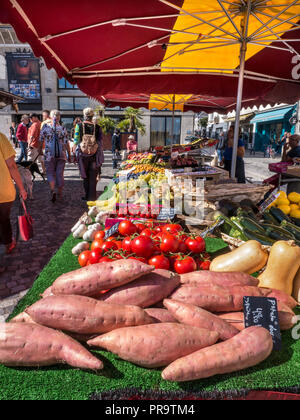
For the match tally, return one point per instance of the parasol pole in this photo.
(173, 120)
(244, 43)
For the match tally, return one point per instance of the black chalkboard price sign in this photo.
(112, 231)
(167, 214)
(263, 312)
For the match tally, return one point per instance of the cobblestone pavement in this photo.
(52, 225)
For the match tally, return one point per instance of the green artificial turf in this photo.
(281, 370)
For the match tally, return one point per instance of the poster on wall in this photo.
(24, 79)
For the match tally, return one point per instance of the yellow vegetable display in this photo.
(295, 213)
(282, 202)
(294, 197)
(248, 258)
(285, 209)
(282, 267)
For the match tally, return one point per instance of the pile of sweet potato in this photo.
(192, 325)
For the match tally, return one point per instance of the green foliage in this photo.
(107, 124)
(132, 121)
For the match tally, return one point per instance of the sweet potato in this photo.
(47, 293)
(198, 317)
(281, 297)
(34, 345)
(212, 298)
(219, 278)
(155, 345)
(146, 291)
(247, 349)
(216, 298)
(23, 318)
(286, 318)
(83, 315)
(90, 280)
(160, 315)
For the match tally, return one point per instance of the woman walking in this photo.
(56, 139)
(89, 153)
(22, 137)
(8, 171)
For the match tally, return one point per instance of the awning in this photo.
(276, 114)
(7, 98)
(243, 117)
(165, 47)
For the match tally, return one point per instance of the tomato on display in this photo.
(109, 246)
(197, 246)
(185, 265)
(97, 244)
(95, 256)
(160, 262)
(127, 228)
(83, 258)
(142, 246)
(169, 243)
(100, 235)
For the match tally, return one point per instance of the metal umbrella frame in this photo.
(239, 29)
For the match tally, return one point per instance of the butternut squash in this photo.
(296, 291)
(248, 258)
(282, 267)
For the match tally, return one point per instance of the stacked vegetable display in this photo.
(164, 246)
(190, 338)
(245, 223)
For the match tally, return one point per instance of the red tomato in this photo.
(95, 256)
(119, 244)
(140, 227)
(195, 246)
(99, 235)
(142, 246)
(147, 232)
(143, 260)
(126, 245)
(97, 244)
(185, 265)
(205, 265)
(108, 246)
(84, 258)
(169, 243)
(183, 249)
(127, 228)
(158, 229)
(172, 228)
(104, 260)
(160, 262)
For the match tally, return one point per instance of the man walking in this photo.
(22, 136)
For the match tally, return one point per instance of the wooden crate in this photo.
(254, 192)
(214, 176)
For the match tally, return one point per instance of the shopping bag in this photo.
(25, 223)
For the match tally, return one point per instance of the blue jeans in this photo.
(23, 154)
(220, 155)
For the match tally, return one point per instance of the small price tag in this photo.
(212, 228)
(270, 200)
(167, 214)
(112, 231)
(263, 312)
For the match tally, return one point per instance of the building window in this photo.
(70, 103)
(64, 84)
(161, 131)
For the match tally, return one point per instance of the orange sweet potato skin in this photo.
(286, 318)
(219, 278)
(155, 345)
(90, 280)
(247, 349)
(160, 315)
(197, 317)
(83, 315)
(146, 291)
(33, 345)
